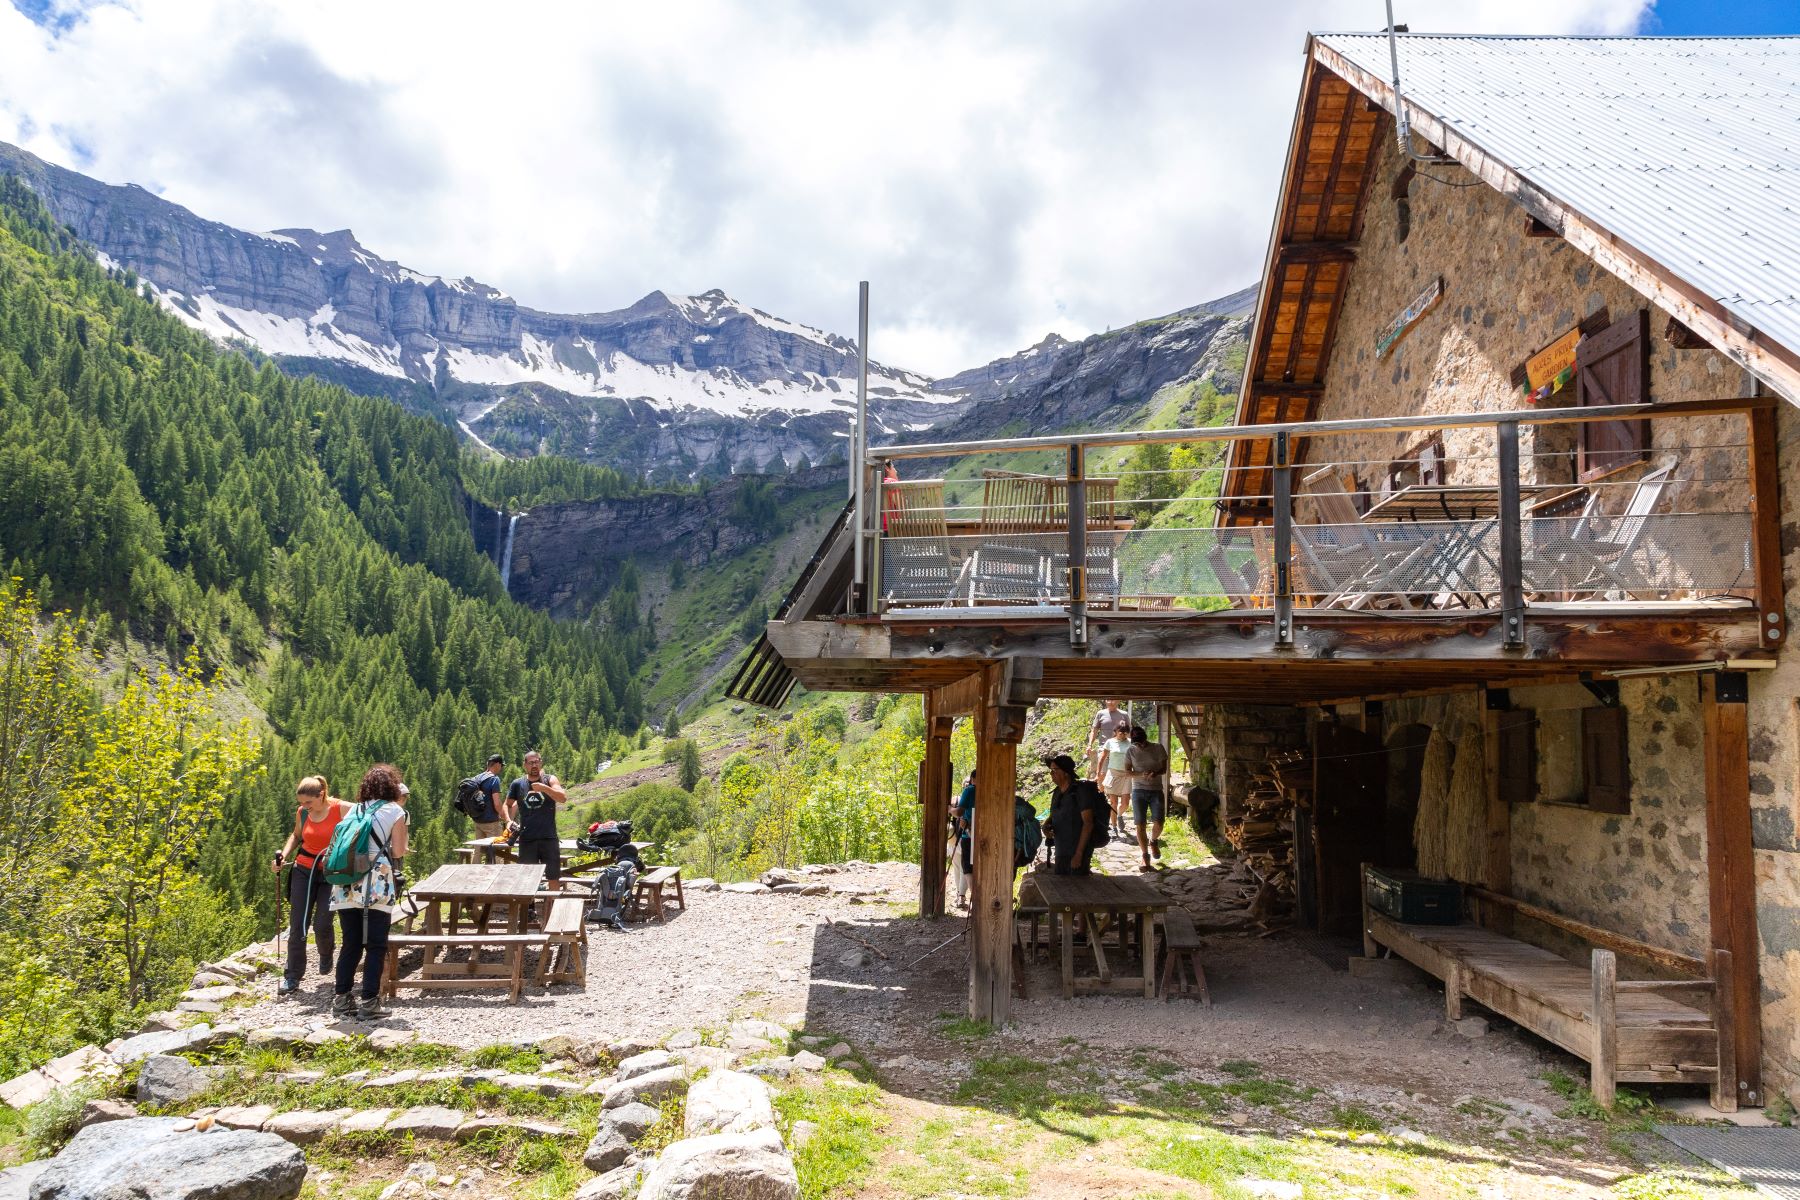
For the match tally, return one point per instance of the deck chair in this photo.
(1010, 560)
(1103, 536)
(1584, 559)
(916, 564)
(1345, 561)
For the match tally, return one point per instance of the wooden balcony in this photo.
(1487, 565)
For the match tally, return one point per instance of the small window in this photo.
(1570, 756)
(1605, 761)
(1518, 756)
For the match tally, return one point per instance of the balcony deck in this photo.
(1502, 573)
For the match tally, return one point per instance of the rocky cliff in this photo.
(664, 384)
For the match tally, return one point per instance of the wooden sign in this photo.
(1550, 369)
(1402, 325)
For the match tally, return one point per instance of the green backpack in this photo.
(348, 860)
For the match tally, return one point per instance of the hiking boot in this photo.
(286, 988)
(343, 1005)
(370, 1009)
(1156, 846)
(325, 964)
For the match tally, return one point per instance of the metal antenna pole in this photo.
(859, 435)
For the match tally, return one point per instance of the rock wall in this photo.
(1240, 736)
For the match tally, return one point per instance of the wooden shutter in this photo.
(1518, 756)
(1605, 761)
(1613, 367)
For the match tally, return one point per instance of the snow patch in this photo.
(276, 237)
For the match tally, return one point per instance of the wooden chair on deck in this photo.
(1103, 537)
(1010, 556)
(916, 562)
(1588, 559)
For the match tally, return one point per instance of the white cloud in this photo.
(997, 170)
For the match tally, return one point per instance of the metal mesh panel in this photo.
(1426, 563)
(1655, 557)
(1766, 1159)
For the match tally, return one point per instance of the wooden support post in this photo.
(1512, 588)
(1370, 949)
(1765, 528)
(1731, 865)
(990, 905)
(1724, 1090)
(1496, 851)
(934, 798)
(1077, 505)
(1603, 1076)
(1283, 487)
(1453, 991)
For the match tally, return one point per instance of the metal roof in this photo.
(1686, 150)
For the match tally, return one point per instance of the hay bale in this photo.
(1466, 822)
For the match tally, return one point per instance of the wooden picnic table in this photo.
(1456, 502)
(1098, 902)
(498, 850)
(456, 905)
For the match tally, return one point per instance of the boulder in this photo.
(158, 1022)
(324, 1037)
(741, 1166)
(706, 1058)
(749, 889)
(590, 1054)
(428, 1121)
(703, 884)
(806, 1060)
(609, 1148)
(96, 1111)
(307, 1127)
(643, 1064)
(652, 1088)
(216, 994)
(391, 1080)
(368, 1120)
(625, 1049)
(686, 1039)
(165, 1079)
(159, 1158)
(728, 1102)
(757, 1028)
(778, 877)
(557, 1045)
(253, 1116)
(276, 1037)
(632, 1120)
(616, 1184)
(391, 1039)
(15, 1182)
(167, 1041)
(542, 1084)
(840, 1050)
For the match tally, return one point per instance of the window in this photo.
(1613, 367)
(1604, 760)
(1573, 756)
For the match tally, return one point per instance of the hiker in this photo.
(478, 797)
(890, 495)
(531, 804)
(1147, 762)
(316, 815)
(964, 821)
(1076, 820)
(1028, 834)
(1106, 723)
(365, 907)
(1115, 781)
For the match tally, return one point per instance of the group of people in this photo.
(1128, 772)
(365, 906)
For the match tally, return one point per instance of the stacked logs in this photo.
(1262, 829)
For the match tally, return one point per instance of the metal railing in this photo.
(1502, 529)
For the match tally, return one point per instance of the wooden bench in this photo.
(1181, 944)
(472, 973)
(564, 958)
(648, 892)
(1628, 1030)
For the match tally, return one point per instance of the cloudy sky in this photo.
(997, 169)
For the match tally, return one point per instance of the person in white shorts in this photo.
(1115, 780)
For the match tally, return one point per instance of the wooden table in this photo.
(456, 905)
(1099, 900)
(1456, 502)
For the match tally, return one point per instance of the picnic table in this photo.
(456, 905)
(1100, 902)
(499, 850)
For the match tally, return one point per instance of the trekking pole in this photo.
(915, 962)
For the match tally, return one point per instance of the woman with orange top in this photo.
(308, 894)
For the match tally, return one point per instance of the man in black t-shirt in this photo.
(531, 804)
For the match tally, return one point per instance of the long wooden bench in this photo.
(1181, 944)
(564, 957)
(1628, 1030)
(472, 973)
(647, 893)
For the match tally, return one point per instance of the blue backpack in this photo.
(348, 860)
(1028, 833)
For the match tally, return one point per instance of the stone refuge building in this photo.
(1503, 529)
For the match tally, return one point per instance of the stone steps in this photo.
(431, 1122)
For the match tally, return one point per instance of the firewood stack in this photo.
(1262, 830)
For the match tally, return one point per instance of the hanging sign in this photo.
(1550, 369)
(1402, 325)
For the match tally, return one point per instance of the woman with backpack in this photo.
(309, 899)
(365, 854)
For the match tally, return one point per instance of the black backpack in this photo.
(468, 800)
(612, 893)
(1094, 800)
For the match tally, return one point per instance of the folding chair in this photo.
(1009, 563)
(1584, 559)
(916, 564)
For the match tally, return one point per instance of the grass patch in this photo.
(949, 1158)
(50, 1123)
(1629, 1106)
(842, 1151)
(1240, 1068)
(1218, 1160)
(521, 1060)
(1676, 1183)
(1354, 1118)
(966, 1029)
(670, 1127)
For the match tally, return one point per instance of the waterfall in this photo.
(506, 556)
(499, 520)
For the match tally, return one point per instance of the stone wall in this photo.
(1239, 736)
(1506, 296)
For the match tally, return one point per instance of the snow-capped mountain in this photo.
(681, 383)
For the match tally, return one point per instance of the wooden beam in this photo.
(1765, 527)
(1316, 252)
(963, 698)
(990, 904)
(1273, 388)
(1496, 846)
(1535, 228)
(1731, 865)
(934, 797)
